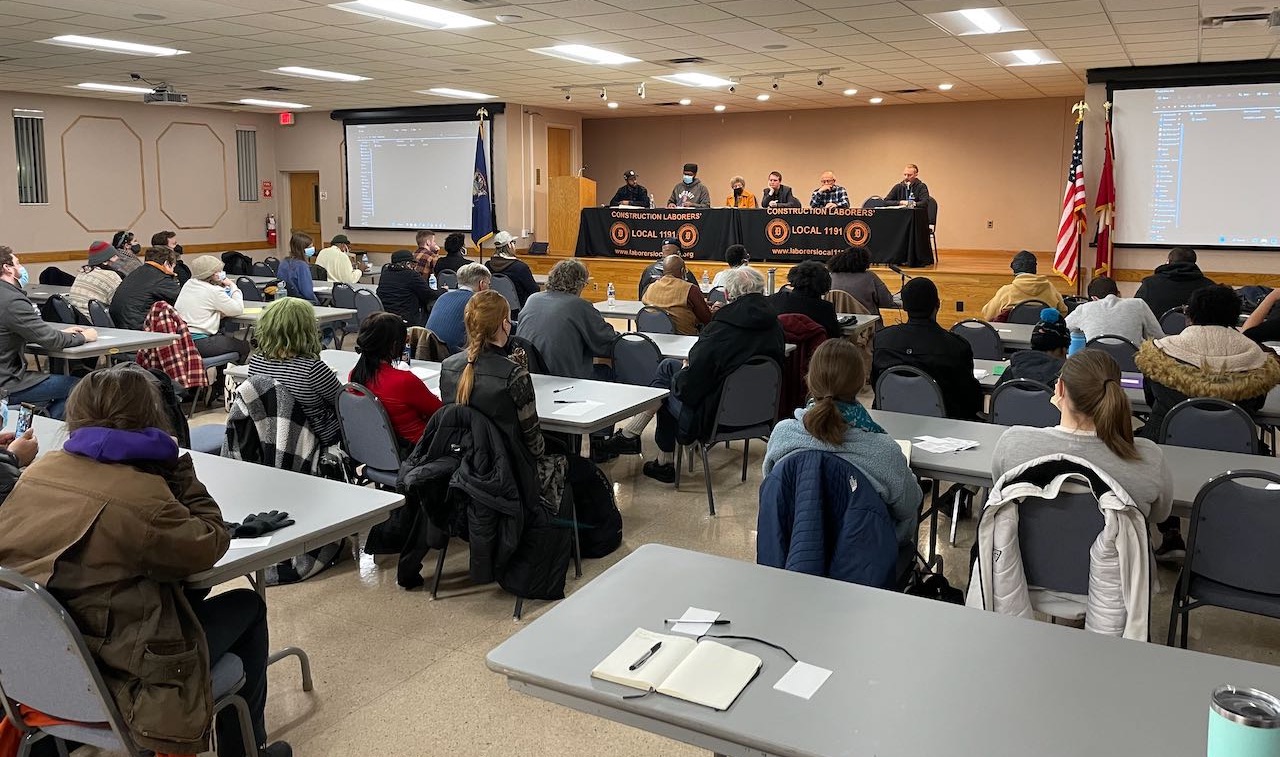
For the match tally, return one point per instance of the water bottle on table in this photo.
(613, 295)
(911, 198)
(405, 356)
(431, 281)
(706, 280)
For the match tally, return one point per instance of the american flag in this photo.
(1067, 256)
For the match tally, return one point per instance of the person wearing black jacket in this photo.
(505, 262)
(146, 286)
(910, 188)
(1171, 285)
(632, 193)
(404, 292)
(453, 258)
(922, 343)
(777, 194)
(809, 281)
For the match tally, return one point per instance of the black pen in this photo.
(562, 389)
(568, 402)
(707, 622)
(645, 657)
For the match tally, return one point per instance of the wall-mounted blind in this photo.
(28, 131)
(247, 164)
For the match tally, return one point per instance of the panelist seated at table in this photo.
(829, 194)
(632, 193)
(910, 189)
(111, 525)
(1026, 285)
(739, 196)
(1050, 339)
(777, 194)
(681, 300)
(690, 192)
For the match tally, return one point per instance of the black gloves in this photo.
(260, 524)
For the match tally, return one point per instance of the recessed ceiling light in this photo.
(945, 86)
(686, 101)
(877, 100)
(457, 94)
(695, 79)
(315, 73)
(585, 54)
(967, 21)
(112, 46)
(719, 109)
(148, 16)
(850, 92)
(113, 88)
(774, 47)
(1023, 58)
(613, 105)
(272, 104)
(762, 97)
(414, 14)
(507, 18)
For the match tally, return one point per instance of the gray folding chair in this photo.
(748, 404)
(249, 291)
(1207, 423)
(272, 262)
(218, 362)
(342, 295)
(1174, 320)
(1120, 349)
(1027, 312)
(1023, 402)
(366, 304)
(100, 315)
(635, 359)
(654, 321)
(367, 435)
(63, 310)
(447, 279)
(982, 337)
(263, 269)
(45, 665)
(501, 284)
(907, 389)
(1054, 538)
(716, 295)
(1231, 558)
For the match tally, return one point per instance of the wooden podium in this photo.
(568, 196)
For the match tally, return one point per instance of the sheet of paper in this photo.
(979, 373)
(1273, 487)
(905, 445)
(423, 372)
(106, 337)
(940, 445)
(576, 409)
(803, 680)
(695, 621)
(258, 543)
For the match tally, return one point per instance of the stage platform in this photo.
(966, 279)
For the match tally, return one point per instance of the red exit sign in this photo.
(286, 119)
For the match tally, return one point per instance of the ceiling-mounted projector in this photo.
(164, 96)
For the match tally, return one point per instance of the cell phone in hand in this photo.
(25, 411)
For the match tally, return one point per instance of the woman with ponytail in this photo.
(834, 421)
(1097, 426)
(407, 400)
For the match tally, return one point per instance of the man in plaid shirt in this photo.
(424, 258)
(830, 194)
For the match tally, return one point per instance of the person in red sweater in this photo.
(408, 401)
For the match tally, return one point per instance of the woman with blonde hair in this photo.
(834, 421)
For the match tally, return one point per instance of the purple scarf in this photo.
(109, 445)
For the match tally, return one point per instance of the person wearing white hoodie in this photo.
(207, 298)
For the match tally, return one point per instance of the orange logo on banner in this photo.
(777, 232)
(857, 233)
(687, 236)
(620, 234)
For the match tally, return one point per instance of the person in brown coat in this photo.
(111, 524)
(684, 302)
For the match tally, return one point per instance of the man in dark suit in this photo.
(777, 194)
(910, 188)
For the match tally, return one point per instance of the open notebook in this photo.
(706, 673)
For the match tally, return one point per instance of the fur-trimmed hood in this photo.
(1209, 361)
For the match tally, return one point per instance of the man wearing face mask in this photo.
(690, 192)
(739, 195)
(170, 239)
(143, 288)
(128, 252)
(207, 298)
(20, 325)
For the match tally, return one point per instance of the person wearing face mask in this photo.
(739, 195)
(690, 192)
(207, 298)
(20, 325)
(99, 279)
(170, 239)
(295, 270)
(128, 252)
(143, 288)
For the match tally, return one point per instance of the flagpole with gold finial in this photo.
(1080, 109)
(482, 113)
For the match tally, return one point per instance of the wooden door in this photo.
(304, 206)
(559, 151)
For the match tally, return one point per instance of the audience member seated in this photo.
(408, 401)
(923, 344)
(20, 324)
(1208, 359)
(404, 292)
(446, 319)
(170, 239)
(424, 258)
(486, 379)
(98, 280)
(505, 262)
(653, 271)
(146, 286)
(809, 281)
(834, 421)
(295, 268)
(1097, 426)
(1026, 285)
(567, 331)
(736, 255)
(453, 259)
(1107, 313)
(128, 250)
(112, 524)
(681, 300)
(337, 261)
(207, 298)
(745, 327)
(1258, 326)
(1049, 342)
(849, 273)
(1172, 284)
(287, 348)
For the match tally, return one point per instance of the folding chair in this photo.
(635, 359)
(654, 321)
(1174, 320)
(1024, 402)
(907, 389)
(1120, 349)
(1208, 423)
(1027, 312)
(367, 435)
(367, 303)
(249, 291)
(982, 338)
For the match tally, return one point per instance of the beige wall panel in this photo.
(192, 163)
(102, 174)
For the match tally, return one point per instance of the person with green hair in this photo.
(288, 350)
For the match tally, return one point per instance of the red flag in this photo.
(1066, 258)
(1105, 207)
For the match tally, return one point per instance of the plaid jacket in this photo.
(422, 261)
(836, 194)
(267, 427)
(181, 360)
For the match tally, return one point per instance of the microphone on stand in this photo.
(897, 296)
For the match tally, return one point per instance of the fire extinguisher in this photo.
(271, 229)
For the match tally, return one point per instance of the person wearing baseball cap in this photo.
(505, 262)
(97, 280)
(631, 194)
(690, 192)
(208, 297)
(336, 260)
